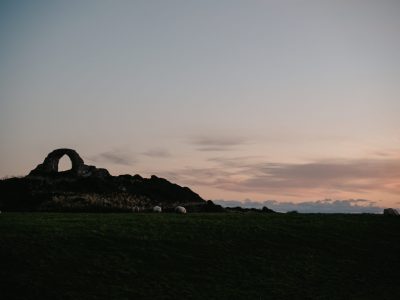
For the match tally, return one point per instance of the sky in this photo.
(292, 101)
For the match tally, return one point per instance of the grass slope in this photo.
(199, 256)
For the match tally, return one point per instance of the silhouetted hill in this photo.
(113, 193)
(87, 188)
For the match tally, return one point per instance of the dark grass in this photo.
(199, 256)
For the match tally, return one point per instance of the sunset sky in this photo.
(291, 101)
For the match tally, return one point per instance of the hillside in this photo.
(87, 188)
(113, 193)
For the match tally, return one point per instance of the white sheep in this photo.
(180, 210)
(157, 209)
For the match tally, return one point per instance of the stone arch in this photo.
(50, 163)
(49, 167)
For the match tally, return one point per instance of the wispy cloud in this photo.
(157, 152)
(321, 206)
(321, 178)
(119, 157)
(353, 176)
(217, 143)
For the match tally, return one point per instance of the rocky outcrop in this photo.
(239, 209)
(87, 188)
(390, 212)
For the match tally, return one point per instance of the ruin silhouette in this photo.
(49, 167)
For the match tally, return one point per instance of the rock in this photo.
(390, 212)
(267, 210)
(212, 207)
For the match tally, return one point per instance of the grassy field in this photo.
(199, 256)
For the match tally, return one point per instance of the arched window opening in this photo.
(64, 164)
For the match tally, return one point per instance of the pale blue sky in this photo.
(175, 88)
